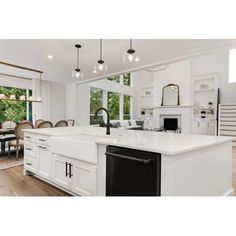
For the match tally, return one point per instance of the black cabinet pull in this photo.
(29, 164)
(42, 147)
(29, 149)
(66, 169)
(70, 174)
(27, 136)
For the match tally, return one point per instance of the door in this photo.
(83, 181)
(60, 171)
(44, 162)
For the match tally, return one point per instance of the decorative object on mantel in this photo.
(13, 97)
(170, 95)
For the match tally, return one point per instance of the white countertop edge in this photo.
(156, 150)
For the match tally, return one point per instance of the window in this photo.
(126, 108)
(114, 78)
(96, 101)
(127, 79)
(113, 104)
(124, 79)
(14, 110)
(232, 65)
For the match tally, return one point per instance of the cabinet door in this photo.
(211, 127)
(60, 170)
(44, 162)
(84, 179)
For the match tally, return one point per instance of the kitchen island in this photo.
(74, 159)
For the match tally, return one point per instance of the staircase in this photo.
(227, 121)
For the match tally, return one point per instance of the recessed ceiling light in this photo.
(50, 57)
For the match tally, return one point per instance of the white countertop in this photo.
(165, 143)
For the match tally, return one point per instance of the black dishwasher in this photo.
(131, 172)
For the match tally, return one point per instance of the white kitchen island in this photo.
(73, 159)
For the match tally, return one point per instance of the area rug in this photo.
(9, 162)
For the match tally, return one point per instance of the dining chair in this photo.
(45, 124)
(37, 122)
(8, 124)
(71, 122)
(61, 123)
(19, 141)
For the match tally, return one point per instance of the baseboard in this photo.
(229, 193)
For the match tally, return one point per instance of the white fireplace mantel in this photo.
(184, 111)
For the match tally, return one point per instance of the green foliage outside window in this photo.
(13, 110)
(113, 104)
(127, 79)
(126, 107)
(114, 78)
(96, 101)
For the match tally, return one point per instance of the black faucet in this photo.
(108, 118)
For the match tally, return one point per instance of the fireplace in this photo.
(171, 124)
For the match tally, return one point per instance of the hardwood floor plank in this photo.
(14, 183)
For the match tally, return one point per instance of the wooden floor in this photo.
(14, 183)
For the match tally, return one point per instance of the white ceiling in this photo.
(33, 53)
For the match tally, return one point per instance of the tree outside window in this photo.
(14, 110)
(113, 104)
(96, 101)
(114, 78)
(126, 108)
(127, 79)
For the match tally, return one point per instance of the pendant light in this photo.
(100, 66)
(77, 72)
(130, 56)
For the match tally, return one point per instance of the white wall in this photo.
(218, 63)
(177, 73)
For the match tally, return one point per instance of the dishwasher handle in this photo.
(145, 161)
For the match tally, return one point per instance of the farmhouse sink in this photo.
(81, 147)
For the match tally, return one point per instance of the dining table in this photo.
(6, 135)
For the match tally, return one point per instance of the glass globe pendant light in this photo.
(130, 56)
(101, 66)
(77, 72)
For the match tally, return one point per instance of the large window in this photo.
(126, 107)
(232, 65)
(113, 104)
(96, 101)
(14, 110)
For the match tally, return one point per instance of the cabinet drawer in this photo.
(44, 140)
(30, 149)
(29, 137)
(30, 164)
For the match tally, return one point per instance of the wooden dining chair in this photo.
(61, 123)
(45, 124)
(19, 141)
(37, 122)
(8, 124)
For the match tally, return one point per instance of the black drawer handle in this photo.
(29, 149)
(70, 175)
(27, 136)
(66, 169)
(145, 161)
(29, 164)
(42, 147)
